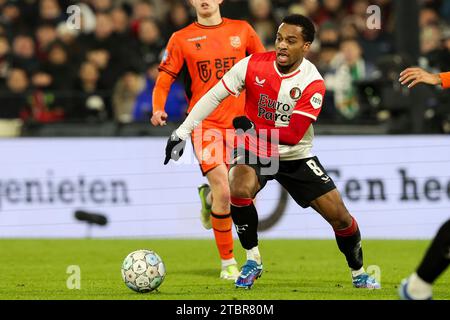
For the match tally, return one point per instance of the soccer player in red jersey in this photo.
(419, 285)
(204, 51)
(284, 96)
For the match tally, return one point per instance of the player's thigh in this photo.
(243, 181)
(305, 180)
(210, 148)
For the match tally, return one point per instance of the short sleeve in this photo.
(310, 103)
(172, 61)
(234, 79)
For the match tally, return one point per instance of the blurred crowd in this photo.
(106, 69)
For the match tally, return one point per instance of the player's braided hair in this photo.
(308, 30)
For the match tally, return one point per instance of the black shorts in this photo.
(304, 179)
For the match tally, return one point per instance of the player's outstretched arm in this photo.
(207, 104)
(414, 76)
(231, 84)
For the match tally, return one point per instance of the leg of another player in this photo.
(437, 258)
(221, 220)
(243, 187)
(348, 236)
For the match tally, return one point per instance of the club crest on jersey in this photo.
(204, 71)
(295, 93)
(235, 41)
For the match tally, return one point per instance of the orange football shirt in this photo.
(204, 54)
(445, 78)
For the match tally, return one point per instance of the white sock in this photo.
(228, 262)
(253, 254)
(356, 273)
(418, 289)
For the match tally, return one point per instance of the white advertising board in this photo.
(397, 187)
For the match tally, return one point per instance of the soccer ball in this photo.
(143, 271)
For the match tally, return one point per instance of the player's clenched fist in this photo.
(159, 118)
(243, 123)
(174, 148)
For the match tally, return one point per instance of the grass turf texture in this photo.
(293, 269)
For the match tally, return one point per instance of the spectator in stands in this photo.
(90, 102)
(349, 29)
(150, 43)
(13, 101)
(176, 103)
(349, 68)
(59, 69)
(104, 51)
(45, 34)
(142, 10)
(376, 43)
(430, 40)
(50, 12)
(121, 23)
(331, 10)
(11, 17)
(263, 20)
(177, 18)
(309, 8)
(24, 54)
(14, 96)
(427, 17)
(329, 46)
(125, 93)
(101, 6)
(5, 64)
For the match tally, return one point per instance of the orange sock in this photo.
(222, 224)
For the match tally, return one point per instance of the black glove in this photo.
(243, 123)
(174, 148)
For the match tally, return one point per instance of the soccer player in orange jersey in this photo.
(205, 50)
(418, 286)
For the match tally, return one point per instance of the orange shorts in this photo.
(212, 146)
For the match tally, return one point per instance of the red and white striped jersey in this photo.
(272, 97)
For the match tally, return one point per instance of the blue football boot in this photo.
(364, 280)
(250, 271)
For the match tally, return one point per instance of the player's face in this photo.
(290, 47)
(206, 8)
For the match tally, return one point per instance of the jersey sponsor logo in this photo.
(235, 41)
(316, 100)
(221, 65)
(295, 93)
(259, 82)
(198, 46)
(267, 109)
(196, 39)
(204, 70)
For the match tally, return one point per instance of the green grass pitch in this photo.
(293, 269)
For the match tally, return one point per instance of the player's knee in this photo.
(340, 218)
(240, 191)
